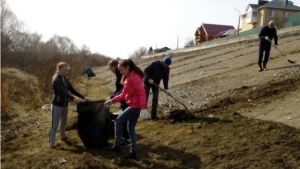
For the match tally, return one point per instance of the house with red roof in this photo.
(208, 32)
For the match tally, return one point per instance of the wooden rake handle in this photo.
(171, 96)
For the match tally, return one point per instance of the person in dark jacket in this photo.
(154, 73)
(113, 66)
(89, 73)
(60, 101)
(266, 35)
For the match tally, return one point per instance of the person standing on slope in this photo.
(266, 36)
(113, 66)
(154, 72)
(60, 101)
(134, 95)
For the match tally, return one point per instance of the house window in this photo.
(272, 13)
(254, 14)
(286, 14)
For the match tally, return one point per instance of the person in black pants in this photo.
(154, 72)
(266, 36)
(113, 66)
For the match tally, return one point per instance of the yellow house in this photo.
(264, 11)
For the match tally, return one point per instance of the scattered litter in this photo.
(46, 107)
(62, 160)
(296, 100)
(289, 118)
(201, 73)
(210, 115)
(249, 100)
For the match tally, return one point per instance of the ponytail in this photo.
(132, 67)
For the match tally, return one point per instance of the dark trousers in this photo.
(155, 92)
(264, 48)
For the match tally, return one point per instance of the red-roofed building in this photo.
(208, 32)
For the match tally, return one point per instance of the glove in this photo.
(108, 103)
(267, 38)
(144, 114)
(167, 91)
(87, 99)
(150, 81)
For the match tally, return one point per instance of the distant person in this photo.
(60, 101)
(89, 73)
(113, 66)
(154, 72)
(266, 36)
(134, 95)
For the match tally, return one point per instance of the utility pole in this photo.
(177, 39)
(238, 22)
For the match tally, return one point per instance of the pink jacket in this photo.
(133, 92)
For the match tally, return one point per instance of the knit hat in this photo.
(167, 60)
(271, 24)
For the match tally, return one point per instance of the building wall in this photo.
(277, 11)
(245, 26)
(263, 17)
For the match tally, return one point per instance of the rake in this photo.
(282, 53)
(186, 109)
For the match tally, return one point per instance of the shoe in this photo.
(64, 139)
(132, 156)
(265, 66)
(260, 67)
(52, 147)
(125, 143)
(154, 118)
(116, 149)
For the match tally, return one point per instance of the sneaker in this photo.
(116, 149)
(64, 139)
(125, 143)
(260, 70)
(132, 156)
(52, 147)
(265, 69)
(154, 118)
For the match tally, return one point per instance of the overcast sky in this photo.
(116, 28)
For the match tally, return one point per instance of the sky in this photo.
(116, 28)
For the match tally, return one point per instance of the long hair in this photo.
(59, 66)
(132, 67)
(114, 63)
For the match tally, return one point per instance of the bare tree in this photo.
(279, 20)
(141, 51)
(189, 42)
(10, 26)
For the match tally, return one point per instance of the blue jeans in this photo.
(131, 115)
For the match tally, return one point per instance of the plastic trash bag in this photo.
(93, 124)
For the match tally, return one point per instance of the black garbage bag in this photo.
(93, 124)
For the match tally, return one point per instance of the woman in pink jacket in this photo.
(135, 96)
